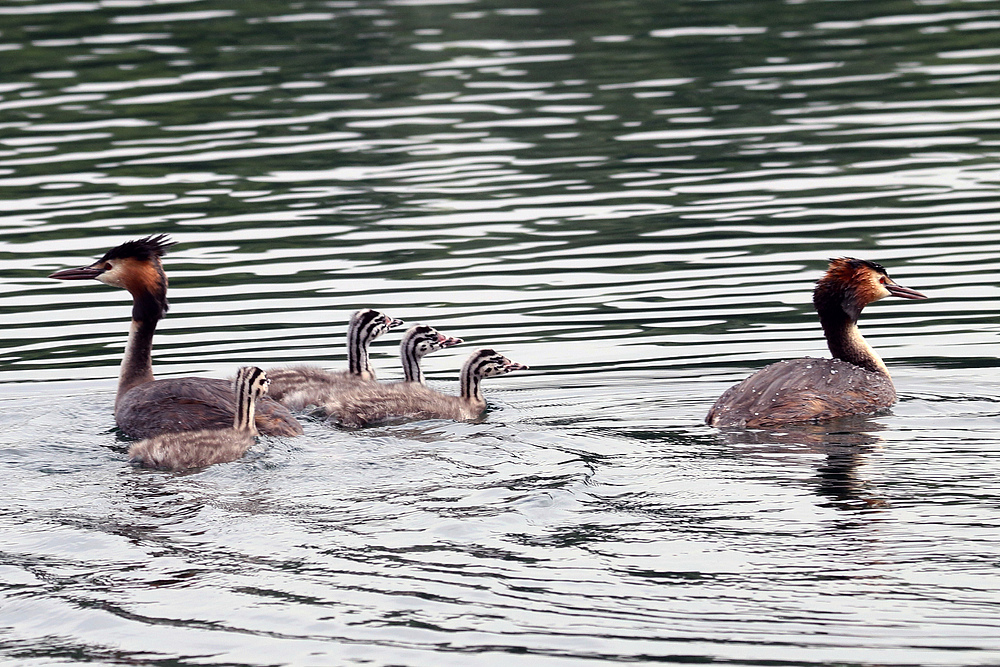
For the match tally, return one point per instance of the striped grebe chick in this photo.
(145, 406)
(196, 449)
(417, 343)
(299, 386)
(856, 381)
(409, 401)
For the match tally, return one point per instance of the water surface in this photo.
(635, 199)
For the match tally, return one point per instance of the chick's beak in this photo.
(511, 366)
(445, 341)
(79, 273)
(905, 292)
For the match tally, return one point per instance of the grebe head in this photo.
(418, 342)
(423, 339)
(249, 385)
(489, 363)
(851, 284)
(368, 324)
(134, 266)
(252, 380)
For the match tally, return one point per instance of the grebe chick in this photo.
(299, 386)
(856, 381)
(195, 449)
(145, 406)
(417, 343)
(376, 403)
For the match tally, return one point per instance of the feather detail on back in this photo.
(802, 390)
(202, 447)
(187, 404)
(294, 384)
(193, 449)
(409, 401)
(297, 387)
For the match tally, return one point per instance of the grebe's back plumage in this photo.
(801, 390)
(299, 386)
(409, 401)
(855, 381)
(145, 406)
(198, 448)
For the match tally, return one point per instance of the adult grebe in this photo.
(417, 343)
(855, 382)
(143, 406)
(376, 403)
(195, 449)
(299, 386)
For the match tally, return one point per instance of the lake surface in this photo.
(633, 198)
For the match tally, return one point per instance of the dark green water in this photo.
(633, 198)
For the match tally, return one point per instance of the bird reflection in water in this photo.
(839, 477)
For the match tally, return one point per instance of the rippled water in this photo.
(634, 198)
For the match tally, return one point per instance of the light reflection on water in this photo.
(635, 200)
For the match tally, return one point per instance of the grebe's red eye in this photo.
(882, 280)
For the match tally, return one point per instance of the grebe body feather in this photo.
(801, 390)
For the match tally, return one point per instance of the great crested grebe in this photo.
(144, 406)
(195, 449)
(417, 343)
(855, 382)
(299, 386)
(376, 403)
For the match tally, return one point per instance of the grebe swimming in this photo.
(377, 403)
(145, 406)
(855, 381)
(195, 449)
(299, 386)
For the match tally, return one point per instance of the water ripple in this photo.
(637, 209)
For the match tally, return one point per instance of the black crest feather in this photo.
(856, 263)
(142, 249)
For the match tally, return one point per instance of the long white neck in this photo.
(411, 364)
(245, 404)
(137, 362)
(359, 337)
(469, 382)
(861, 353)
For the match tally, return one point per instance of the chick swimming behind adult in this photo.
(196, 449)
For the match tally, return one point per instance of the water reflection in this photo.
(843, 445)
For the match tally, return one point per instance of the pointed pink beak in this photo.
(447, 341)
(511, 366)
